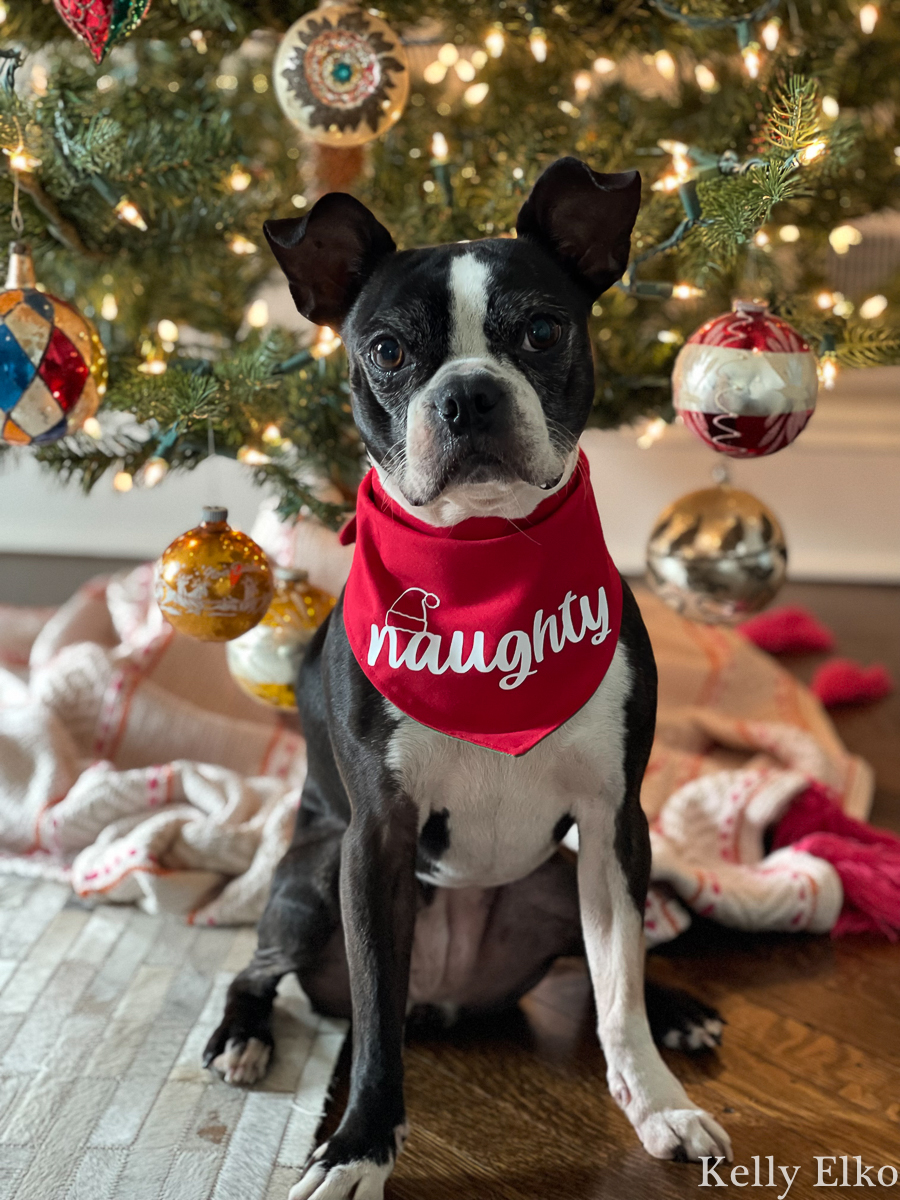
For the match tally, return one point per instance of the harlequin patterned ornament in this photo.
(264, 661)
(213, 583)
(745, 382)
(52, 362)
(102, 23)
(341, 75)
(717, 555)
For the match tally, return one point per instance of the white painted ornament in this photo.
(745, 383)
(341, 75)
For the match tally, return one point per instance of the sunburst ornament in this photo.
(341, 75)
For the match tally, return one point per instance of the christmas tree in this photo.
(141, 161)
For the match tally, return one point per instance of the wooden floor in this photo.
(811, 1058)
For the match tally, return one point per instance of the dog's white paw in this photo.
(359, 1180)
(695, 1036)
(685, 1134)
(243, 1063)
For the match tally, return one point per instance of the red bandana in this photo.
(493, 631)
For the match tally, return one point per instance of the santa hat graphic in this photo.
(409, 611)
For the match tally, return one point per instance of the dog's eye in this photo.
(387, 353)
(541, 333)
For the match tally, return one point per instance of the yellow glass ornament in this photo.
(264, 662)
(213, 583)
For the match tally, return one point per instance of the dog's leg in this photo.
(378, 906)
(300, 917)
(612, 887)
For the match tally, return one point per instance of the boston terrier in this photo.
(484, 684)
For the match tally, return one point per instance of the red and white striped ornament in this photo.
(745, 382)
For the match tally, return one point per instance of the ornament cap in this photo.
(750, 308)
(291, 575)
(20, 273)
(214, 514)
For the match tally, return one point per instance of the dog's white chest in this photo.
(486, 818)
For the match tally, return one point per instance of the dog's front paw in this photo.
(685, 1134)
(239, 1062)
(335, 1173)
(679, 1021)
(362, 1180)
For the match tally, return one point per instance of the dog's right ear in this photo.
(328, 255)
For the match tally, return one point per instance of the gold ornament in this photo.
(264, 662)
(717, 555)
(341, 75)
(213, 583)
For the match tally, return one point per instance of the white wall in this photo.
(836, 491)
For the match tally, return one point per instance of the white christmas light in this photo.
(271, 434)
(825, 300)
(604, 66)
(537, 41)
(239, 179)
(167, 330)
(105, 82)
(873, 307)
(827, 372)
(812, 151)
(434, 72)
(706, 80)
(241, 245)
(440, 151)
(843, 237)
(258, 314)
(3, 13)
(251, 457)
(665, 64)
(495, 41)
(126, 210)
(669, 337)
(752, 60)
(154, 472)
(109, 307)
(789, 233)
(770, 33)
(479, 59)
(475, 93)
(122, 481)
(582, 83)
(465, 70)
(830, 107)
(39, 78)
(298, 201)
(868, 17)
(653, 430)
(326, 342)
(686, 291)
(761, 239)
(92, 428)
(448, 54)
(21, 160)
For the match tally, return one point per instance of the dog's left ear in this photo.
(584, 219)
(328, 255)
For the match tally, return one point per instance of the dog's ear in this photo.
(584, 219)
(328, 255)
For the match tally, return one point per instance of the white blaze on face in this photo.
(469, 279)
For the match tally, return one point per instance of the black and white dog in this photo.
(426, 870)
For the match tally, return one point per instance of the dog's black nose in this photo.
(470, 403)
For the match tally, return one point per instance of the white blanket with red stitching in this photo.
(132, 765)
